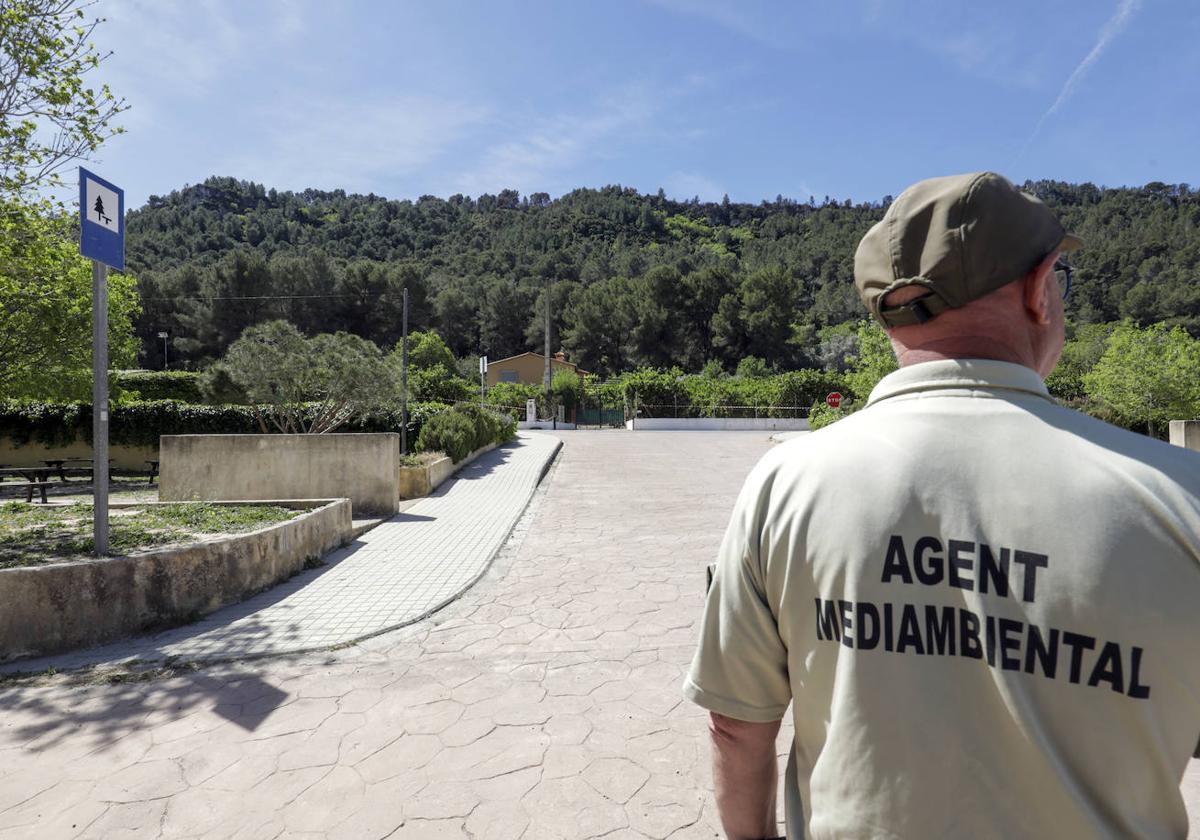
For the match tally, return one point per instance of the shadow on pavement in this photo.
(98, 716)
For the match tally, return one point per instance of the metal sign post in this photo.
(100, 407)
(102, 239)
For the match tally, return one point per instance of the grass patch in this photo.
(420, 459)
(32, 535)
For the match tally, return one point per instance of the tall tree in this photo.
(46, 308)
(503, 314)
(599, 320)
(1148, 376)
(49, 115)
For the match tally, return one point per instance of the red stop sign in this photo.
(833, 400)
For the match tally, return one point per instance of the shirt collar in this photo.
(959, 374)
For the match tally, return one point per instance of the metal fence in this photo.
(690, 411)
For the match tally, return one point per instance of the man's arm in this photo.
(745, 775)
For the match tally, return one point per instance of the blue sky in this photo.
(852, 99)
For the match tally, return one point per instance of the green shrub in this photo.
(821, 415)
(486, 424)
(473, 428)
(752, 367)
(514, 394)
(567, 389)
(439, 383)
(451, 432)
(653, 387)
(182, 385)
(803, 387)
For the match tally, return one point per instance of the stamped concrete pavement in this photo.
(399, 572)
(543, 704)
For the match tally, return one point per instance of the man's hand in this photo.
(744, 776)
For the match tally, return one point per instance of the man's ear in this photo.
(1040, 290)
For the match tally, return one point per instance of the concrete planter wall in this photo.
(1186, 433)
(719, 424)
(360, 467)
(60, 607)
(416, 482)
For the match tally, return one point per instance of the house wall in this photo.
(529, 369)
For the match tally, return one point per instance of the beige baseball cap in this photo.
(961, 237)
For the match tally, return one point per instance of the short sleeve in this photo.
(740, 668)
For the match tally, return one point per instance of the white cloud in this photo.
(289, 22)
(546, 149)
(331, 144)
(1115, 25)
(987, 43)
(738, 17)
(682, 186)
(180, 47)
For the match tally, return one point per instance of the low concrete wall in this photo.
(359, 467)
(416, 482)
(1186, 433)
(60, 607)
(32, 454)
(718, 424)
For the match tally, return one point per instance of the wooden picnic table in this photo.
(87, 466)
(60, 464)
(36, 478)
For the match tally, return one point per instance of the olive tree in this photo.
(308, 385)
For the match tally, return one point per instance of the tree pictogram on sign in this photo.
(99, 208)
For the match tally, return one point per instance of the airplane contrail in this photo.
(1115, 25)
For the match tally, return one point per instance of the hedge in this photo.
(140, 423)
(182, 385)
(672, 393)
(461, 430)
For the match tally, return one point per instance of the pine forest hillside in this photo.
(633, 279)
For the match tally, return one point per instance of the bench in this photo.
(61, 465)
(36, 478)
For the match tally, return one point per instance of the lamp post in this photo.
(404, 377)
(163, 336)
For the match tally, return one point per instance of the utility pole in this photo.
(404, 376)
(546, 372)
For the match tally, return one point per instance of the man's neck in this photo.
(954, 347)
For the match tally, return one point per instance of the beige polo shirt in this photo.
(983, 607)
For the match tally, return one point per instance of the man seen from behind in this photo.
(982, 607)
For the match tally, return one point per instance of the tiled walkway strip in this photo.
(392, 575)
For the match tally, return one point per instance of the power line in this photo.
(253, 297)
(61, 296)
